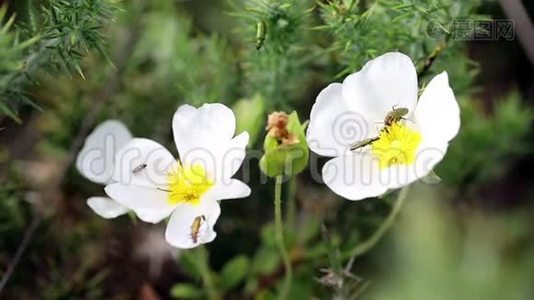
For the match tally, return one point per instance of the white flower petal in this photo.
(230, 158)
(220, 163)
(204, 128)
(143, 162)
(179, 232)
(428, 155)
(354, 176)
(149, 204)
(232, 189)
(106, 207)
(96, 159)
(437, 113)
(333, 126)
(386, 81)
(200, 141)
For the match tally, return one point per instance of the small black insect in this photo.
(139, 168)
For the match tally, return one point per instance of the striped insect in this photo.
(139, 168)
(195, 227)
(363, 143)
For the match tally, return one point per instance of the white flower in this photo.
(399, 152)
(96, 161)
(152, 183)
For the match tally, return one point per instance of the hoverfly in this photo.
(139, 168)
(363, 143)
(195, 227)
(395, 115)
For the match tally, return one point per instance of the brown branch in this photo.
(20, 250)
(429, 61)
(515, 10)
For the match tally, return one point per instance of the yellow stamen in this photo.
(187, 184)
(396, 144)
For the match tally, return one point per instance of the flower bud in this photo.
(286, 150)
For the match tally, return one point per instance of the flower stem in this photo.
(279, 232)
(367, 245)
(291, 205)
(205, 273)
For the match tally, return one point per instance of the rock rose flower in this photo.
(379, 135)
(153, 184)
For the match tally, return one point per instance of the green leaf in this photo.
(266, 261)
(9, 112)
(187, 262)
(234, 272)
(267, 235)
(186, 291)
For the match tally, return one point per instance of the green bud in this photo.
(249, 114)
(286, 150)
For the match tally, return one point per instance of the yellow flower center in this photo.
(396, 144)
(187, 184)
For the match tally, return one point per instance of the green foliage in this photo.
(277, 55)
(274, 35)
(233, 272)
(438, 258)
(64, 107)
(51, 249)
(186, 291)
(361, 30)
(487, 144)
(188, 263)
(65, 32)
(71, 30)
(266, 265)
(160, 61)
(12, 51)
(190, 65)
(14, 213)
(230, 276)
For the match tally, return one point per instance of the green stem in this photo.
(291, 204)
(362, 248)
(279, 231)
(205, 273)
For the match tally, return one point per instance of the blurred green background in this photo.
(65, 66)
